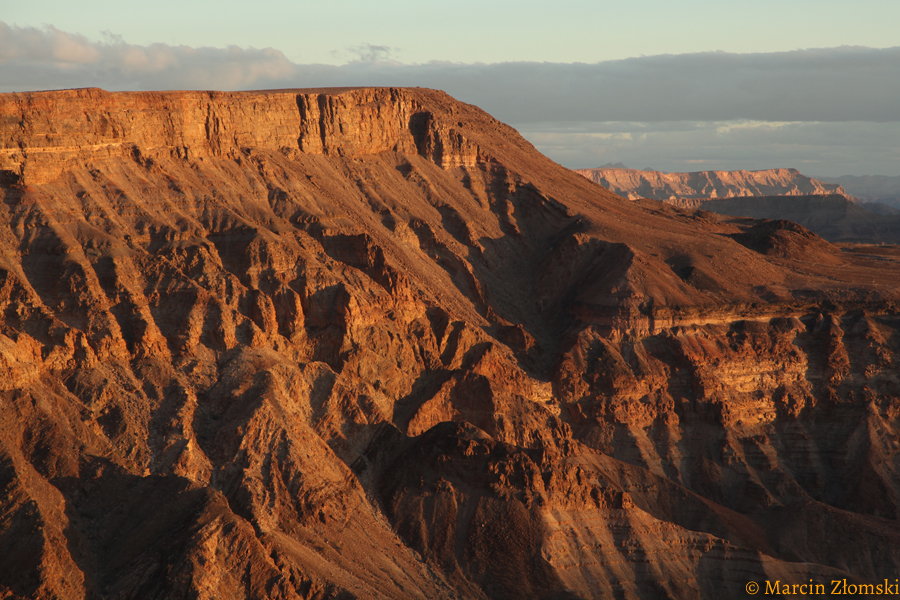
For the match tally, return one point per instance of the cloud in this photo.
(815, 148)
(49, 46)
(372, 54)
(48, 58)
(834, 84)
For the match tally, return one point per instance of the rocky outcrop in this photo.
(369, 343)
(633, 183)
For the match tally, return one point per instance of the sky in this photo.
(676, 86)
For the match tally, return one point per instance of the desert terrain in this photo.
(826, 209)
(369, 343)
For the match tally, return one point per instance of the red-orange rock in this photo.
(369, 343)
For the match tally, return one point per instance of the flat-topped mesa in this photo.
(42, 134)
(634, 183)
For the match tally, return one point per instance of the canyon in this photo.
(369, 343)
(776, 194)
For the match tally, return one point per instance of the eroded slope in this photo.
(235, 327)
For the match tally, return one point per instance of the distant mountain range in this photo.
(844, 209)
(634, 183)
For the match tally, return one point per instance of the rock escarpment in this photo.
(634, 183)
(369, 343)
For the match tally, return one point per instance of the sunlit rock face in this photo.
(635, 183)
(369, 343)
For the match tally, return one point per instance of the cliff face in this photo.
(46, 135)
(369, 343)
(632, 183)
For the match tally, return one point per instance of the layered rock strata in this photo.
(634, 183)
(369, 343)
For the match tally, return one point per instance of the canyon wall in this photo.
(368, 343)
(633, 183)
